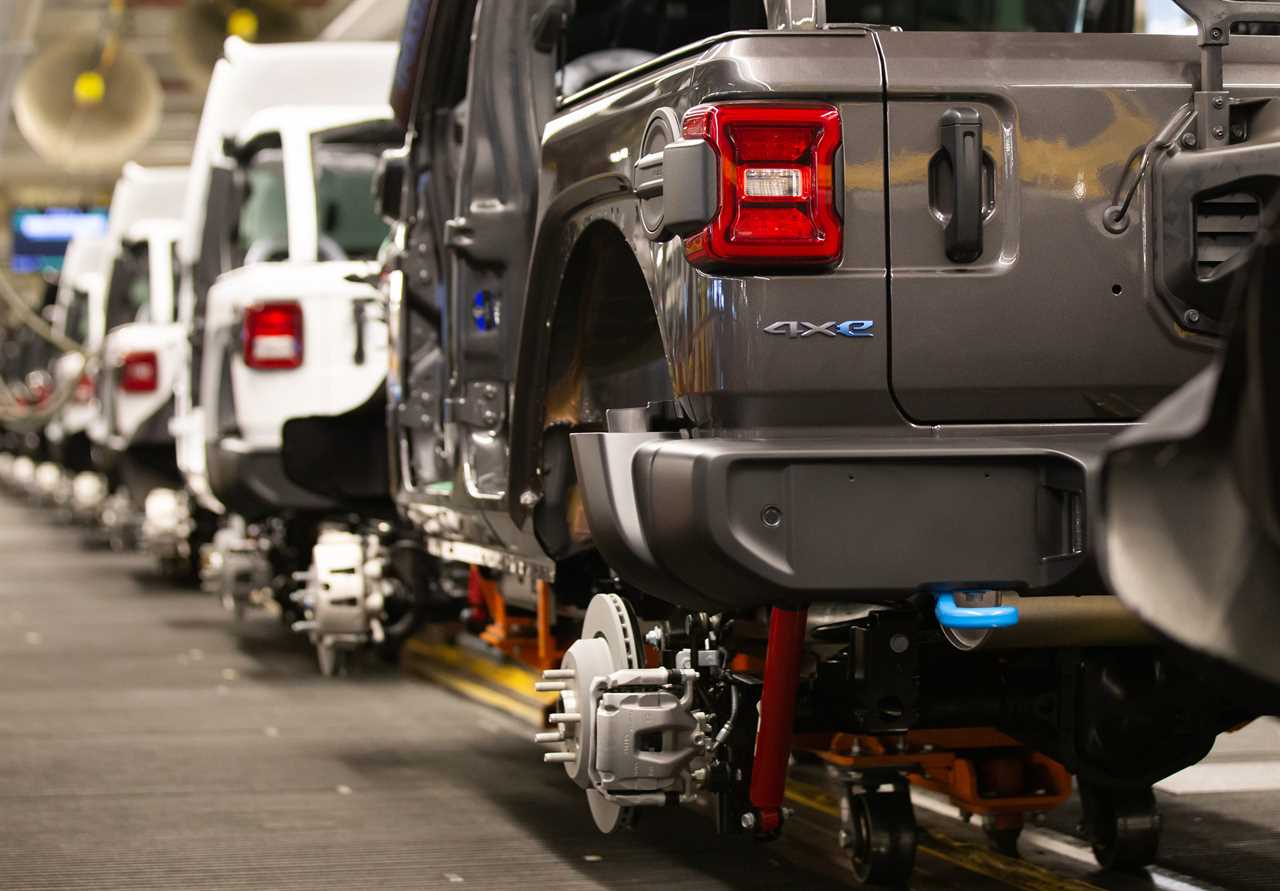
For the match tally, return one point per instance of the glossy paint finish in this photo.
(1057, 320)
(1033, 340)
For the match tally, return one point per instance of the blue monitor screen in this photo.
(41, 235)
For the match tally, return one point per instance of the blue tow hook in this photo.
(950, 615)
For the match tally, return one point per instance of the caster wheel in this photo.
(881, 836)
(1123, 825)
(1004, 840)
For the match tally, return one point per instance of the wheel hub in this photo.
(622, 732)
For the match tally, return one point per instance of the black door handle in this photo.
(962, 147)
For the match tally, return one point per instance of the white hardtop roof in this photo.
(87, 257)
(305, 120)
(154, 229)
(252, 77)
(145, 193)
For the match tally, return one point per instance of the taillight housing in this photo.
(777, 185)
(139, 372)
(85, 389)
(272, 335)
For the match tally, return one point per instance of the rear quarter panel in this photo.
(329, 382)
(731, 377)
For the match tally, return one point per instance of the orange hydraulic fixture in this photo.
(983, 772)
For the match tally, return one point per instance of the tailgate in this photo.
(1054, 319)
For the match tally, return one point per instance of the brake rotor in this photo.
(609, 643)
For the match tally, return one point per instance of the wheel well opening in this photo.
(606, 351)
(606, 346)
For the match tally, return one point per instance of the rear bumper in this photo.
(254, 485)
(736, 523)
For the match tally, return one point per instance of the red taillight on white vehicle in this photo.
(85, 389)
(777, 185)
(139, 372)
(272, 335)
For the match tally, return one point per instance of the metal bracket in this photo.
(484, 405)
(1214, 19)
(416, 411)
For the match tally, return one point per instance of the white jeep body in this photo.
(333, 294)
(145, 211)
(316, 76)
(82, 291)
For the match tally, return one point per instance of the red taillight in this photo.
(84, 389)
(273, 335)
(139, 372)
(777, 185)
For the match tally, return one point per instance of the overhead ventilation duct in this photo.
(202, 27)
(87, 104)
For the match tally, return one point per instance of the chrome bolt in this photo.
(1191, 317)
(1189, 140)
(1219, 133)
(1215, 33)
(748, 820)
(654, 637)
(1219, 102)
(771, 516)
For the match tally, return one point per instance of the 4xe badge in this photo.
(851, 328)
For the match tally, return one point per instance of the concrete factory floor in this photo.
(147, 741)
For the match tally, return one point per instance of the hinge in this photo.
(484, 406)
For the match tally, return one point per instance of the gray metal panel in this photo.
(1035, 329)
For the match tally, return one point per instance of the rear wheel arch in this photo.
(591, 341)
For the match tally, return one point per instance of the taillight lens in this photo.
(272, 335)
(139, 372)
(85, 389)
(777, 185)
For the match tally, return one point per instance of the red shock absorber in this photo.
(777, 716)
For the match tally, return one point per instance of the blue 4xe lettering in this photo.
(850, 328)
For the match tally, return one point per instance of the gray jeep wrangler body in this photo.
(950, 445)
(648, 342)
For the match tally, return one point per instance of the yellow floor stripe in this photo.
(514, 678)
(479, 692)
(1014, 873)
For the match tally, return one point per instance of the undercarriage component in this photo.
(115, 512)
(878, 828)
(777, 718)
(1123, 825)
(88, 494)
(1049, 621)
(24, 475)
(346, 595)
(526, 638)
(630, 736)
(982, 772)
(167, 524)
(236, 566)
(47, 482)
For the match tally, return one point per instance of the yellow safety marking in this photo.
(487, 696)
(518, 680)
(1014, 873)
